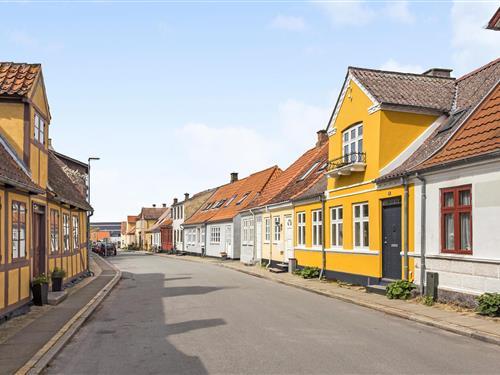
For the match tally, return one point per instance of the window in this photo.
(361, 230)
(54, 231)
(352, 143)
(317, 228)
(230, 200)
(245, 231)
(268, 229)
(308, 172)
(242, 198)
(76, 241)
(248, 231)
(215, 235)
(39, 129)
(277, 229)
(456, 220)
(66, 232)
(301, 228)
(202, 237)
(336, 232)
(18, 230)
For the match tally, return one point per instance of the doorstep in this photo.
(55, 298)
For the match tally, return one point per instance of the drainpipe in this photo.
(270, 237)
(254, 250)
(323, 252)
(405, 223)
(423, 203)
(203, 253)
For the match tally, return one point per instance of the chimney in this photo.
(176, 200)
(234, 177)
(438, 72)
(322, 137)
(186, 196)
(50, 144)
(154, 205)
(164, 205)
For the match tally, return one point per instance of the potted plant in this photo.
(40, 289)
(57, 277)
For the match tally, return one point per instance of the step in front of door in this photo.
(377, 289)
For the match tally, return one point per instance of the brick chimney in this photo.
(234, 177)
(176, 200)
(186, 196)
(164, 205)
(438, 72)
(322, 137)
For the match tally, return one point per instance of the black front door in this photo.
(391, 238)
(39, 250)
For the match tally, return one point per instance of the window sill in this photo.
(357, 251)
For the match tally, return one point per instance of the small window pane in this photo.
(340, 213)
(365, 210)
(334, 214)
(341, 236)
(360, 146)
(449, 232)
(334, 236)
(465, 198)
(465, 234)
(357, 234)
(346, 136)
(353, 133)
(365, 234)
(448, 199)
(356, 211)
(360, 131)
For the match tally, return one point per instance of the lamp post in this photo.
(90, 213)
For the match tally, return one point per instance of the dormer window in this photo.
(39, 129)
(352, 143)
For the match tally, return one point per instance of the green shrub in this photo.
(42, 279)
(309, 272)
(58, 273)
(489, 304)
(400, 289)
(428, 300)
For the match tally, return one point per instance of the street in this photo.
(173, 316)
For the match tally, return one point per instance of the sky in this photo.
(174, 96)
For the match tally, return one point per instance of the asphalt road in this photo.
(169, 316)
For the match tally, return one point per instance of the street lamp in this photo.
(90, 212)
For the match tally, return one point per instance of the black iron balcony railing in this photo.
(347, 159)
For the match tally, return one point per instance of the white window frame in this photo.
(317, 228)
(267, 231)
(351, 143)
(301, 228)
(277, 229)
(335, 225)
(361, 220)
(76, 232)
(215, 235)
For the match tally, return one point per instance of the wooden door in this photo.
(39, 246)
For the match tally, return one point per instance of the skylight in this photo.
(242, 199)
(308, 171)
(230, 200)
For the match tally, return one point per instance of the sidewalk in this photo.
(463, 323)
(22, 338)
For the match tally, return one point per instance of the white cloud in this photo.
(400, 11)
(290, 23)
(348, 13)
(395, 66)
(473, 45)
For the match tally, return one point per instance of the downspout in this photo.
(270, 237)
(405, 223)
(323, 252)
(254, 250)
(423, 203)
(204, 252)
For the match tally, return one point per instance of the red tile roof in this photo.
(131, 218)
(494, 23)
(151, 213)
(228, 199)
(479, 135)
(17, 79)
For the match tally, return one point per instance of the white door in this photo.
(229, 244)
(258, 238)
(288, 237)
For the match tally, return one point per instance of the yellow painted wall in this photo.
(3, 206)
(12, 125)
(2, 290)
(25, 282)
(278, 248)
(13, 276)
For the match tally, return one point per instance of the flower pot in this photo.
(57, 284)
(40, 294)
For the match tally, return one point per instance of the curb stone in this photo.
(450, 327)
(42, 358)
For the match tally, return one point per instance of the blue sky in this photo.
(175, 96)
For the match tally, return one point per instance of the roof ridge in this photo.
(349, 68)
(477, 70)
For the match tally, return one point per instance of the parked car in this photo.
(104, 249)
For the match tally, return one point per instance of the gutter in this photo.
(405, 224)
(254, 247)
(323, 252)
(423, 202)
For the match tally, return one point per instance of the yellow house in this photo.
(366, 230)
(43, 209)
(145, 220)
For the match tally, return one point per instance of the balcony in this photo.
(347, 164)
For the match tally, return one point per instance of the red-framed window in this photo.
(456, 220)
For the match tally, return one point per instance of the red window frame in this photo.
(456, 210)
